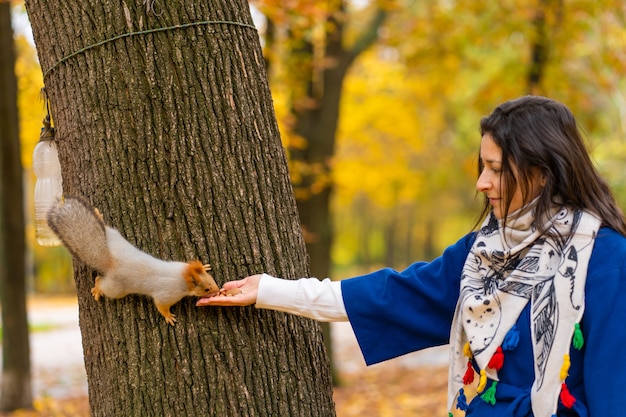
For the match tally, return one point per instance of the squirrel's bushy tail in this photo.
(82, 231)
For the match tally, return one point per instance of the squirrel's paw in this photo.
(96, 294)
(98, 214)
(166, 313)
(171, 320)
(207, 267)
(96, 291)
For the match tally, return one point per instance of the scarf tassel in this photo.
(566, 397)
(497, 360)
(461, 402)
(490, 395)
(467, 350)
(578, 341)
(511, 340)
(482, 382)
(565, 367)
(468, 378)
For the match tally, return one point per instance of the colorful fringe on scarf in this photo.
(497, 361)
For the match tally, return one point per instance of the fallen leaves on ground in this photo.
(54, 407)
(391, 391)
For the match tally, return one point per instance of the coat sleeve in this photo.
(393, 313)
(603, 326)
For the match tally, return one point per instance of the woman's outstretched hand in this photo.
(234, 293)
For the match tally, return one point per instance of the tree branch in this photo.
(369, 35)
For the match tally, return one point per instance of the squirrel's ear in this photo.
(196, 266)
(196, 270)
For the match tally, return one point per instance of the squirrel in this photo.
(125, 269)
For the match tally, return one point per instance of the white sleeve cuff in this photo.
(308, 297)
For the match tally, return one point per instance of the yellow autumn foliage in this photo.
(30, 105)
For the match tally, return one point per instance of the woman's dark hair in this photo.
(540, 135)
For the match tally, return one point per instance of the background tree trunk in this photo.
(172, 135)
(541, 43)
(317, 121)
(15, 390)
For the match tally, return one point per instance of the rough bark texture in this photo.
(15, 391)
(172, 135)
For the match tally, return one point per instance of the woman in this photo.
(510, 297)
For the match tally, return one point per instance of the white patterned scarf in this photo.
(506, 269)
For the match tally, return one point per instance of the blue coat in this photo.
(394, 313)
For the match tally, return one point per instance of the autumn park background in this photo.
(395, 168)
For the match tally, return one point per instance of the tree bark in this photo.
(15, 389)
(172, 134)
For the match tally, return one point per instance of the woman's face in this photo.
(490, 179)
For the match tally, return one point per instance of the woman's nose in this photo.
(483, 183)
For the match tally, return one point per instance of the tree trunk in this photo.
(540, 47)
(172, 135)
(317, 124)
(15, 389)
